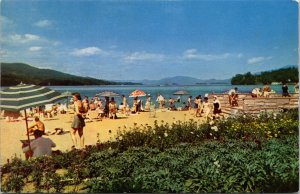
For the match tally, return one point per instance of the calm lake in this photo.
(166, 91)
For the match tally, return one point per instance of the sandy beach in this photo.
(13, 132)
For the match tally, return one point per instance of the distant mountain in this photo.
(15, 73)
(180, 80)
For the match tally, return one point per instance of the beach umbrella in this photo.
(181, 92)
(108, 94)
(66, 95)
(25, 96)
(136, 93)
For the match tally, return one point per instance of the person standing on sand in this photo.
(112, 109)
(124, 103)
(206, 108)
(217, 107)
(196, 103)
(161, 100)
(231, 95)
(285, 90)
(78, 120)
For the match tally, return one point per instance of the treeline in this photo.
(288, 75)
(15, 73)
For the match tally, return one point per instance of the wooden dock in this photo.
(249, 105)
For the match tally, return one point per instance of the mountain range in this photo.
(15, 73)
(179, 80)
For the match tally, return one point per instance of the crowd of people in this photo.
(266, 90)
(107, 108)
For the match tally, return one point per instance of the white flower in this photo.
(210, 134)
(215, 138)
(192, 132)
(120, 138)
(166, 134)
(215, 128)
(258, 116)
(244, 116)
(211, 122)
(217, 163)
(154, 131)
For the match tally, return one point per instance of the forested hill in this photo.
(289, 74)
(15, 73)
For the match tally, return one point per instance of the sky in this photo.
(136, 40)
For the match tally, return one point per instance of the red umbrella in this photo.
(136, 93)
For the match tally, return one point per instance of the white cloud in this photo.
(194, 54)
(35, 48)
(26, 39)
(142, 56)
(256, 60)
(17, 38)
(5, 22)
(89, 51)
(43, 23)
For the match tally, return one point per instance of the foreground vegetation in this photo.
(241, 154)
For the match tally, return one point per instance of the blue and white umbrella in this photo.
(25, 96)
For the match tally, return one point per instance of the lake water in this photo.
(166, 91)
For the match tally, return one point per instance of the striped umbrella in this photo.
(136, 93)
(25, 96)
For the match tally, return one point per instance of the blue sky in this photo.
(123, 40)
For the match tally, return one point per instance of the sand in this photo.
(13, 132)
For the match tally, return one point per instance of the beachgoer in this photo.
(40, 146)
(100, 110)
(61, 108)
(38, 125)
(161, 100)
(125, 104)
(231, 95)
(184, 106)
(200, 106)
(285, 90)
(106, 107)
(256, 92)
(266, 90)
(78, 120)
(148, 103)
(85, 103)
(171, 104)
(139, 105)
(217, 107)
(112, 109)
(196, 106)
(206, 108)
(178, 99)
